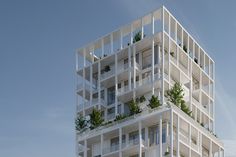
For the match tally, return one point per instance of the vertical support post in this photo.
(153, 63)
(163, 62)
(153, 87)
(85, 148)
(129, 62)
(121, 39)
(134, 70)
(171, 133)
(131, 34)
(102, 47)
(140, 138)
(213, 103)
(146, 136)
(142, 30)
(112, 48)
(99, 81)
(116, 86)
(160, 135)
(84, 53)
(177, 151)
(189, 138)
(91, 85)
(210, 149)
(101, 144)
(120, 142)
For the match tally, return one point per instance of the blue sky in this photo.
(37, 64)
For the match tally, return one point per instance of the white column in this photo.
(85, 148)
(171, 133)
(99, 81)
(116, 86)
(210, 149)
(129, 62)
(76, 61)
(162, 66)
(189, 138)
(91, 85)
(177, 151)
(146, 136)
(121, 39)
(120, 142)
(112, 49)
(140, 138)
(160, 136)
(134, 65)
(219, 152)
(200, 144)
(142, 30)
(153, 24)
(153, 88)
(101, 144)
(84, 53)
(102, 48)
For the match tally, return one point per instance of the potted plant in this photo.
(107, 68)
(172, 54)
(80, 123)
(120, 117)
(154, 102)
(185, 48)
(142, 99)
(175, 94)
(96, 119)
(137, 36)
(133, 107)
(196, 60)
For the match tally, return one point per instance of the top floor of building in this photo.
(158, 21)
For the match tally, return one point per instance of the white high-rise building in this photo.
(135, 62)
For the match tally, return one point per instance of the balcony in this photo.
(111, 149)
(108, 74)
(88, 104)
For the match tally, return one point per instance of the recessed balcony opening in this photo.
(173, 31)
(166, 22)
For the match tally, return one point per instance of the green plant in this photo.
(196, 60)
(120, 117)
(154, 102)
(96, 119)
(137, 36)
(133, 107)
(202, 124)
(185, 108)
(172, 53)
(142, 99)
(80, 123)
(175, 94)
(107, 68)
(185, 48)
(167, 153)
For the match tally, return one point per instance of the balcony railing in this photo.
(111, 148)
(88, 104)
(107, 74)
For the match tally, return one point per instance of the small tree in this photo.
(80, 123)
(185, 108)
(185, 48)
(95, 118)
(133, 107)
(175, 94)
(120, 117)
(137, 36)
(107, 68)
(142, 99)
(154, 102)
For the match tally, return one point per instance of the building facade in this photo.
(131, 64)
